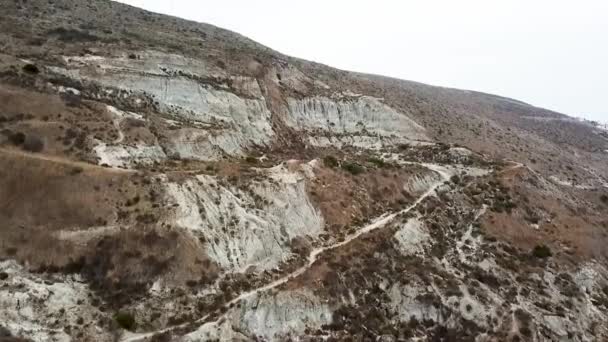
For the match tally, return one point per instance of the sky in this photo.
(549, 53)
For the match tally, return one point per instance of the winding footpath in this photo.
(60, 160)
(380, 222)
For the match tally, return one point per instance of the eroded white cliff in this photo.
(250, 226)
(270, 316)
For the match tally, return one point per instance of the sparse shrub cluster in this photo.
(531, 216)
(503, 203)
(33, 144)
(30, 143)
(330, 161)
(378, 162)
(72, 35)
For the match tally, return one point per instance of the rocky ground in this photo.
(168, 180)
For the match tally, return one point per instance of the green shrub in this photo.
(541, 251)
(72, 35)
(33, 144)
(251, 160)
(17, 138)
(377, 161)
(353, 168)
(5, 333)
(125, 320)
(31, 69)
(330, 161)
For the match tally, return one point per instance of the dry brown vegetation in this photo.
(561, 222)
(64, 130)
(347, 200)
(99, 222)
(61, 213)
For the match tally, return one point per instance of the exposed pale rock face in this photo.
(460, 154)
(126, 155)
(227, 118)
(291, 77)
(251, 227)
(590, 276)
(150, 62)
(418, 184)
(269, 316)
(30, 306)
(412, 237)
(118, 154)
(232, 123)
(405, 303)
(358, 141)
(360, 116)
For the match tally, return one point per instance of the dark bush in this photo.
(161, 337)
(76, 170)
(251, 160)
(36, 41)
(71, 100)
(132, 56)
(71, 133)
(146, 218)
(604, 198)
(72, 35)
(17, 138)
(4, 332)
(353, 168)
(541, 251)
(377, 161)
(33, 144)
(125, 320)
(31, 69)
(330, 161)
(134, 123)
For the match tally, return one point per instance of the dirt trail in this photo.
(379, 222)
(61, 160)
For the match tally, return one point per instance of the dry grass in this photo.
(576, 229)
(49, 214)
(347, 200)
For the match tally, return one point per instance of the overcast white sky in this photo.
(550, 53)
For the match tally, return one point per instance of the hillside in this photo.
(169, 180)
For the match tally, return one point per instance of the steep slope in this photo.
(169, 180)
